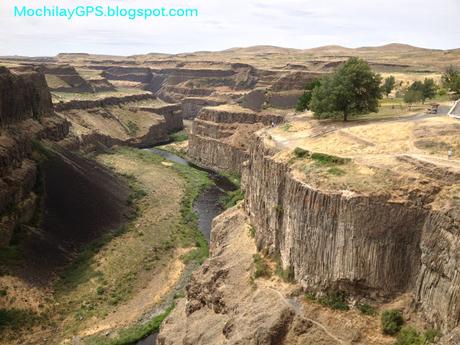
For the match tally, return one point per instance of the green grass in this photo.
(252, 232)
(391, 321)
(231, 198)
(301, 153)
(410, 336)
(325, 159)
(197, 181)
(233, 178)
(334, 300)
(366, 309)
(16, 318)
(80, 270)
(187, 232)
(261, 268)
(179, 136)
(133, 334)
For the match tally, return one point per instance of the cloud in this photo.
(223, 24)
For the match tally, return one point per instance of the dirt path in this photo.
(298, 310)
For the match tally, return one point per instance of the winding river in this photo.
(206, 206)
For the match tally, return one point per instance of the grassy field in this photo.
(122, 276)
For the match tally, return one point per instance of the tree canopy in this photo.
(451, 79)
(388, 85)
(353, 89)
(304, 101)
(419, 91)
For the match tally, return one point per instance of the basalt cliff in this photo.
(389, 230)
(26, 116)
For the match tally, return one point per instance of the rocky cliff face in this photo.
(137, 120)
(23, 95)
(26, 114)
(220, 134)
(221, 307)
(366, 245)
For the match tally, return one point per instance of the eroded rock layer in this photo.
(220, 135)
(26, 116)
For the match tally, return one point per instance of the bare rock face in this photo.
(366, 245)
(295, 81)
(137, 120)
(191, 106)
(23, 95)
(136, 74)
(26, 114)
(65, 78)
(220, 135)
(221, 306)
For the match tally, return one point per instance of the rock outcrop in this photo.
(220, 134)
(365, 244)
(23, 95)
(221, 306)
(64, 78)
(26, 115)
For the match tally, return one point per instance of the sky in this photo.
(231, 23)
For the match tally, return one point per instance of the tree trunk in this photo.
(345, 116)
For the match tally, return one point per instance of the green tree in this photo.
(353, 89)
(419, 91)
(451, 79)
(388, 85)
(412, 96)
(392, 321)
(429, 89)
(304, 101)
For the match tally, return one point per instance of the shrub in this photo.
(366, 309)
(392, 321)
(100, 290)
(431, 335)
(133, 128)
(231, 198)
(261, 268)
(252, 231)
(179, 136)
(335, 300)
(300, 153)
(326, 159)
(16, 318)
(409, 336)
(310, 296)
(336, 171)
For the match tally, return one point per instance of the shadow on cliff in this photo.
(81, 200)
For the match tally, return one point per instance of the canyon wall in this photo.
(364, 244)
(26, 115)
(220, 134)
(23, 95)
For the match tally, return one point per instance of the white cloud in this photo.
(223, 24)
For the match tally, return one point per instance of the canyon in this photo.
(368, 208)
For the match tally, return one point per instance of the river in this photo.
(206, 206)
